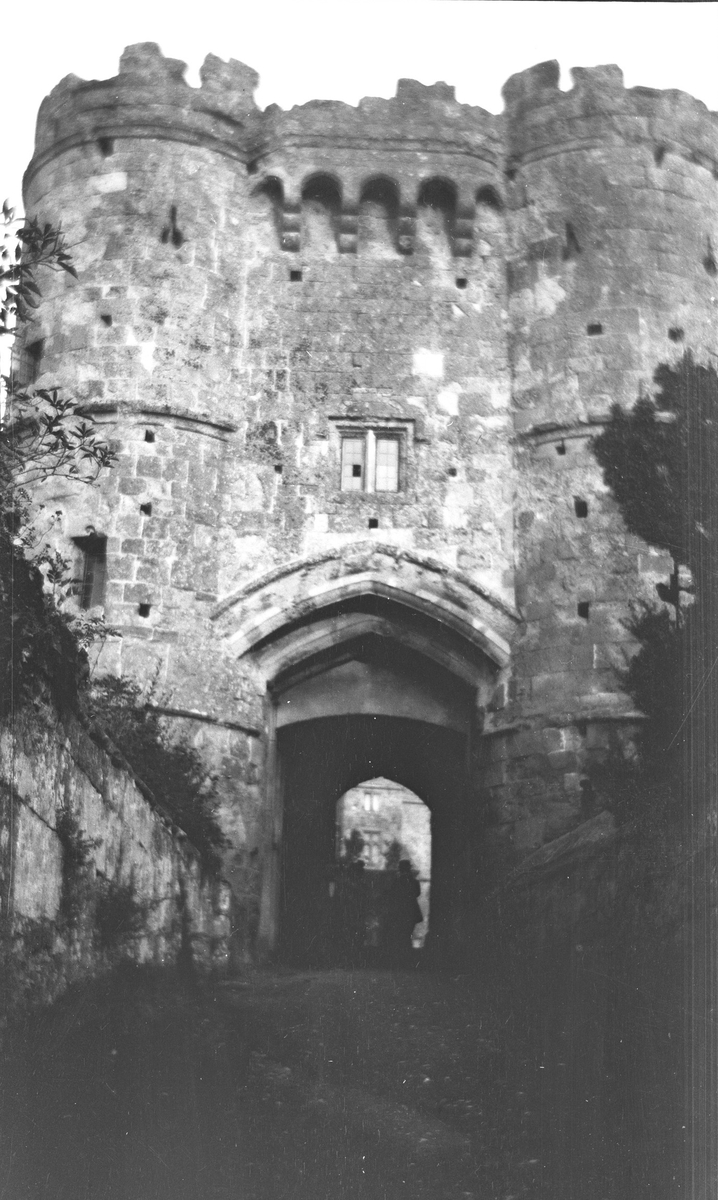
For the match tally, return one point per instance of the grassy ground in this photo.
(322, 1085)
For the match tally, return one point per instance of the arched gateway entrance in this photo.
(377, 671)
(320, 760)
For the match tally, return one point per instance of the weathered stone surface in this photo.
(253, 285)
(48, 767)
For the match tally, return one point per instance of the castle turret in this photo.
(614, 217)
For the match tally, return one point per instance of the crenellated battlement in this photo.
(151, 99)
(599, 111)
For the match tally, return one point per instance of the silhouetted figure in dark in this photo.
(351, 912)
(402, 913)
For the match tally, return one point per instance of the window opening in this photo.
(90, 583)
(387, 465)
(571, 246)
(352, 464)
(171, 232)
(370, 462)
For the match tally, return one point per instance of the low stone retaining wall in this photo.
(92, 871)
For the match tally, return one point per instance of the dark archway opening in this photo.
(322, 759)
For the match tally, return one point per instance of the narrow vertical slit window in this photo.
(93, 570)
(353, 461)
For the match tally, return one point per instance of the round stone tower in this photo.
(352, 359)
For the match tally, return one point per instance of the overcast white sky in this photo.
(345, 49)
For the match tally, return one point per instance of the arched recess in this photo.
(321, 209)
(489, 216)
(268, 200)
(436, 214)
(373, 673)
(379, 217)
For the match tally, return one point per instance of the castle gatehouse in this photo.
(352, 360)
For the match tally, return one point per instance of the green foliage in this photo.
(654, 680)
(36, 246)
(76, 851)
(36, 641)
(659, 460)
(119, 915)
(43, 436)
(172, 770)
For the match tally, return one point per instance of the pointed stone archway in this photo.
(378, 670)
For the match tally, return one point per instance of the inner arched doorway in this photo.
(320, 761)
(381, 824)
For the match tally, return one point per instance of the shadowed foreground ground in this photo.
(328, 1085)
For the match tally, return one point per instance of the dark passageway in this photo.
(320, 760)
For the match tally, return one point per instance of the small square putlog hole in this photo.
(144, 609)
(373, 523)
(149, 435)
(106, 319)
(561, 448)
(278, 468)
(146, 509)
(295, 276)
(462, 282)
(594, 329)
(583, 608)
(580, 507)
(676, 334)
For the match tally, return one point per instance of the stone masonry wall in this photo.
(50, 767)
(252, 284)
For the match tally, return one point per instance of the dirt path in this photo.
(322, 1085)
